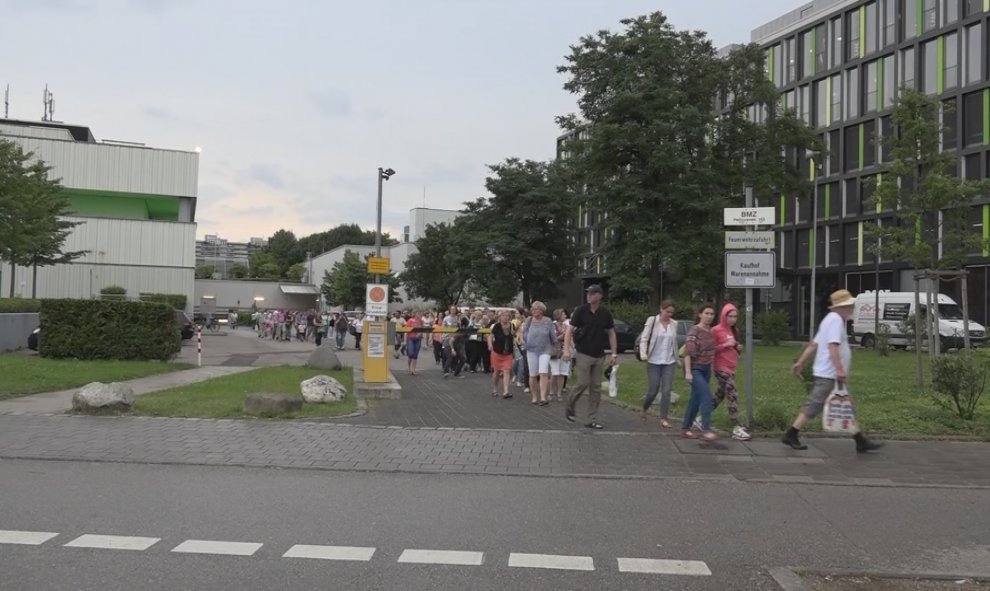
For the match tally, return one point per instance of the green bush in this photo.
(773, 327)
(19, 305)
(113, 292)
(243, 319)
(958, 382)
(633, 314)
(98, 329)
(176, 300)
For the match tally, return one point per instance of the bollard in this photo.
(199, 346)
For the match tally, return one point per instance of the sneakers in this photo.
(595, 425)
(740, 434)
(525, 390)
(696, 425)
(791, 439)
(569, 414)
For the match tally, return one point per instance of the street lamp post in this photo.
(383, 175)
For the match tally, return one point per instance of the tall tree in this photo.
(32, 206)
(322, 242)
(345, 284)
(284, 248)
(238, 271)
(436, 271)
(521, 233)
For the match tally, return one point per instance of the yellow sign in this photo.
(374, 352)
(378, 265)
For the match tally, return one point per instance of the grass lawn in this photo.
(30, 374)
(883, 388)
(224, 397)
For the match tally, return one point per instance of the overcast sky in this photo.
(296, 104)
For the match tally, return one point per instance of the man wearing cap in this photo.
(832, 363)
(591, 330)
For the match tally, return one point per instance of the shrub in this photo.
(176, 300)
(882, 340)
(113, 292)
(633, 314)
(773, 326)
(958, 382)
(244, 319)
(19, 305)
(98, 329)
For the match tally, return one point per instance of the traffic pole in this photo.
(199, 346)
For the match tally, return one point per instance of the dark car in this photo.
(186, 325)
(625, 336)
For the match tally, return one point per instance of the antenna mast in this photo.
(6, 102)
(48, 98)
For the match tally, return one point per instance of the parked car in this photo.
(33, 339)
(625, 336)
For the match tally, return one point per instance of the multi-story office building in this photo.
(840, 64)
(222, 254)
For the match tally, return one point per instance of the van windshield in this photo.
(950, 312)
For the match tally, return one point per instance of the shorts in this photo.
(412, 348)
(501, 362)
(821, 388)
(559, 367)
(540, 361)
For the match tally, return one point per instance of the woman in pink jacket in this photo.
(727, 350)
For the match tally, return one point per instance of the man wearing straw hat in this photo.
(833, 359)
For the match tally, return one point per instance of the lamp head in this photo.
(388, 172)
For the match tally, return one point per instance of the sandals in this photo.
(664, 423)
(709, 436)
(689, 434)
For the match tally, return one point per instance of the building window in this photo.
(929, 15)
(803, 250)
(852, 48)
(889, 22)
(973, 56)
(821, 48)
(808, 47)
(789, 104)
(889, 84)
(950, 11)
(951, 57)
(973, 7)
(835, 29)
(950, 130)
(871, 28)
(820, 245)
(852, 93)
(929, 67)
(787, 249)
(823, 204)
(836, 82)
(886, 131)
(834, 152)
(869, 143)
(804, 102)
(790, 59)
(976, 225)
(908, 68)
(850, 147)
(834, 246)
(804, 207)
(973, 119)
(909, 19)
(870, 84)
(972, 170)
(851, 243)
(821, 104)
(868, 187)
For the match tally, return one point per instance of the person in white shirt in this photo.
(833, 361)
(658, 346)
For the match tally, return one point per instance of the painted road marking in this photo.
(113, 542)
(330, 552)
(664, 567)
(28, 538)
(442, 557)
(553, 561)
(217, 547)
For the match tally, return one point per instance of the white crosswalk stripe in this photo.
(551, 561)
(217, 547)
(442, 557)
(27, 538)
(663, 567)
(113, 542)
(330, 552)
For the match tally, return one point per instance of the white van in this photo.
(898, 306)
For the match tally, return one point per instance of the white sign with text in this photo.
(750, 269)
(748, 216)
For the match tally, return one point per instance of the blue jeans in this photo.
(659, 380)
(701, 398)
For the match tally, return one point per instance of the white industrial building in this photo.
(136, 205)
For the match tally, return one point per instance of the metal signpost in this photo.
(752, 266)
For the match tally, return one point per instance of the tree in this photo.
(434, 272)
(205, 271)
(296, 272)
(322, 242)
(345, 284)
(32, 232)
(521, 233)
(238, 271)
(284, 248)
(261, 263)
(655, 164)
(925, 202)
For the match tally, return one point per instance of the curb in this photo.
(789, 577)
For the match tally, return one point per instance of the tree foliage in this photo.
(927, 200)
(32, 206)
(296, 272)
(345, 284)
(436, 271)
(238, 271)
(205, 271)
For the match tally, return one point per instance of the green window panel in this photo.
(986, 226)
(986, 116)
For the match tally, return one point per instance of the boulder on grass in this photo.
(271, 405)
(324, 358)
(97, 396)
(321, 389)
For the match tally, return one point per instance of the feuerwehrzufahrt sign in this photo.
(750, 269)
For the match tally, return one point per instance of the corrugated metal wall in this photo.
(37, 132)
(84, 281)
(134, 242)
(109, 167)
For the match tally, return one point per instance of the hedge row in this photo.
(98, 329)
(19, 305)
(176, 300)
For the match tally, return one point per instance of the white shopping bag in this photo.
(839, 416)
(613, 387)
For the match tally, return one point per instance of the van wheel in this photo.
(868, 341)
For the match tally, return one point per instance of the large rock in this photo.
(99, 396)
(271, 405)
(323, 357)
(320, 389)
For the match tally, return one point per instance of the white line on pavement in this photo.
(442, 557)
(28, 538)
(663, 567)
(112, 542)
(217, 547)
(553, 561)
(330, 552)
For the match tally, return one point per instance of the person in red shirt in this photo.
(727, 348)
(413, 341)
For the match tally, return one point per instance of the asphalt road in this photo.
(735, 530)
